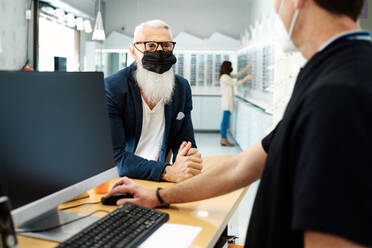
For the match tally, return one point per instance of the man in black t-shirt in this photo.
(315, 167)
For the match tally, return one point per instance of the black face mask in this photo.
(231, 69)
(158, 61)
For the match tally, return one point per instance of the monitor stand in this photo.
(55, 218)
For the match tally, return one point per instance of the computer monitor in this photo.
(55, 144)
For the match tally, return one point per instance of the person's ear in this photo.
(133, 52)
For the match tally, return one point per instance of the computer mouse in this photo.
(114, 198)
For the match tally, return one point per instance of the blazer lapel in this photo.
(168, 124)
(138, 115)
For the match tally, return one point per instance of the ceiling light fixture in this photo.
(99, 32)
(79, 23)
(87, 26)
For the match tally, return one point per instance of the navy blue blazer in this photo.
(124, 104)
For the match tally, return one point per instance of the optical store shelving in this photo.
(202, 68)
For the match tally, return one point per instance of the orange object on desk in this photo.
(103, 188)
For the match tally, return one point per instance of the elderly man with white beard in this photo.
(150, 111)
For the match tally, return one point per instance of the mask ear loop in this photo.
(281, 6)
(294, 19)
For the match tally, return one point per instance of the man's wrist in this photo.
(163, 204)
(164, 176)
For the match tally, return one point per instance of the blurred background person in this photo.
(227, 91)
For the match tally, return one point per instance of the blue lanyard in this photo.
(362, 35)
(365, 35)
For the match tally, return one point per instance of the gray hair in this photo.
(154, 24)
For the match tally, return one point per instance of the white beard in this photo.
(156, 87)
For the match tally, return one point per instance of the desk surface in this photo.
(211, 215)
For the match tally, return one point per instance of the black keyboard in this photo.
(127, 226)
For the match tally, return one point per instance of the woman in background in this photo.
(227, 90)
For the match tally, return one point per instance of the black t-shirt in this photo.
(318, 173)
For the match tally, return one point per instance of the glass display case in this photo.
(268, 66)
(262, 58)
(217, 65)
(193, 70)
(210, 69)
(180, 64)
(201, 69)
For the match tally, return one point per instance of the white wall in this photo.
(366, 23)
(200, 18)
(13, 33)
(259, 9)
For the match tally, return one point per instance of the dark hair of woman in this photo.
(225, 68)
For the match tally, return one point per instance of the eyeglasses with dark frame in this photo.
(152, 46)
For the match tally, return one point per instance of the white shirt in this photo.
(153, 125)
(227, 90)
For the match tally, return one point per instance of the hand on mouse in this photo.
(141, 195)
(188, 164)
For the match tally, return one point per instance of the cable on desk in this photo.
(58, 226)
(82, 204)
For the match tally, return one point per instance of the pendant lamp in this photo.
(99, 32)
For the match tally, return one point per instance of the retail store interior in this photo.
(96, 36)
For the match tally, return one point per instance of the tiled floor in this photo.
(209, 145)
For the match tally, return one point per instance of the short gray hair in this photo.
(154, 24)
